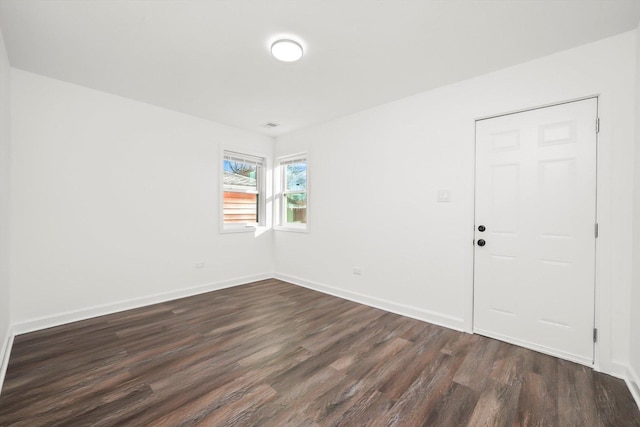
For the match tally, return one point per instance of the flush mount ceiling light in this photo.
(286, 50)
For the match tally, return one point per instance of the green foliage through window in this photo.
(295, 192)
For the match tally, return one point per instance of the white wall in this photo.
(5, 150)
(634, 358)
(114, 201)
(374, 178)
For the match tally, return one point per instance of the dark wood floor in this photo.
(274, 354)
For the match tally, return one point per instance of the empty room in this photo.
(320, 213)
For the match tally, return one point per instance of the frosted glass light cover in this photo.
(286, 50)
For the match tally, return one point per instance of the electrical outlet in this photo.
(200, 265)
(357, 271)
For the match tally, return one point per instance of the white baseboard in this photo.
(83, 314)
(5, 352)
(439, 319)
(611, 367)
(633, 382)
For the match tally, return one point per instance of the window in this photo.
(243, 189)
(294, 193)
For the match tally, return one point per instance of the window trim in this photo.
(262, 187)
(280, 190)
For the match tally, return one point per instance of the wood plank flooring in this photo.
(274, 354)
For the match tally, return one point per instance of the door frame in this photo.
(598, 294)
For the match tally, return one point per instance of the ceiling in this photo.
(211, 59)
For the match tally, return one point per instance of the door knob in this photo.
(481, 242)
(481, 228)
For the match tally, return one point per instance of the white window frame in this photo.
(280, 191)
(261, 175)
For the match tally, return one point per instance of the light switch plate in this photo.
(444, 196)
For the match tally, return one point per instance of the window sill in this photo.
(291, 229)
(246, 229)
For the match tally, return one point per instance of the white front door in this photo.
(534, 274)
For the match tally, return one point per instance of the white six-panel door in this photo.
(534, 277)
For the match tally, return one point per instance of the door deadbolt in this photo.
(481, 228)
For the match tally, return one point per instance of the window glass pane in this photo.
(295, 177)
(240, 176)
(240, 207)
(296, 208)
(242, 185)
